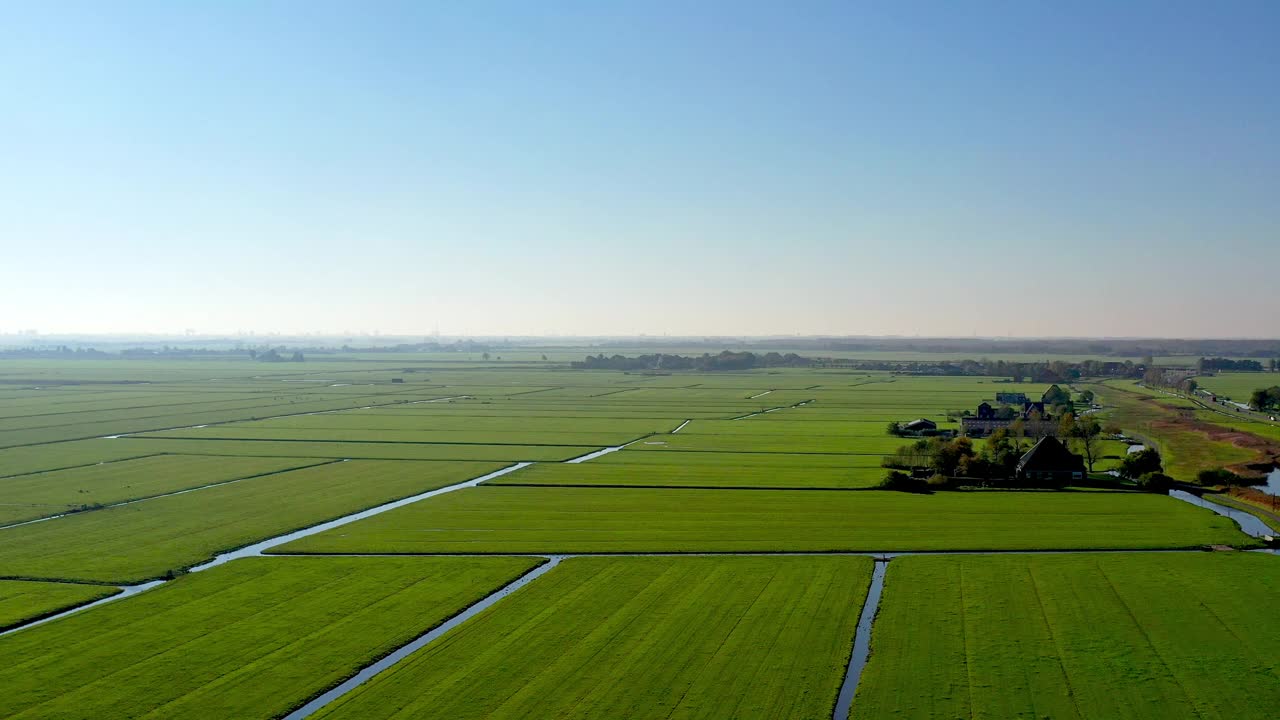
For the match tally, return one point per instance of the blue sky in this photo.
(929, 168)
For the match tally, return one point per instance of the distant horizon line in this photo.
(700, 338)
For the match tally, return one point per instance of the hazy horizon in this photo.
(998, 170)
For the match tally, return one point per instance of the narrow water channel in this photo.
(861, 643)
(1249, 524)
(258, 548)
(422, 641)
(1272, 485)
(125, 591)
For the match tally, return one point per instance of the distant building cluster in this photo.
(1012, 408)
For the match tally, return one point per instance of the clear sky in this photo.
(934, 168)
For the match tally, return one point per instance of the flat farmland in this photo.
(780, 428)
(22, 601)
(1238, 385)
(353, 450)
(881, 444)
(495, 519)
(43, 458)
(596, 474)
(251, 639)
(144, 540)
(403, 420)
(115, 423)
(630, 456)
(27, 497)
(640, 637)
(442, 437)
(1178, 635)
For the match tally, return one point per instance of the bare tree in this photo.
(1087, 437)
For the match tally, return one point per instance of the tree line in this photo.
(725, 360)
(1220, 364)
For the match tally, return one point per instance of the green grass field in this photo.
(640, 637)
(22, 601)
(250, 639)
(43, 458)
(746, 636)
(591, 473)
(354, 450)
(33, 496)
(1100, 636)
(499, 519)
(143, 540)
(1238, 386)
(877, 444)
(738, 460)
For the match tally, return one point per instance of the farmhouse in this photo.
(1050, 462)
(1035, 418)
(919, 425)
(1011, 398)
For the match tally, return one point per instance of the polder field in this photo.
(415, 536)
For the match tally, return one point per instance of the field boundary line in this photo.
(92, 464)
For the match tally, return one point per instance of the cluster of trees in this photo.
(725, 360)
(998, 459)
(61, 352)
(1145, 469)
(1218, 364)
(1265, 398)
(999, 456)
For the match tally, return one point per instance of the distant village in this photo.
(1012, 411)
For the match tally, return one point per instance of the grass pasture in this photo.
(640, 637)
(1178, 635)
(250, 639)
(354, 450)
(496, 519)
(877, 444)
(43, 494)
(43, 458)
(144, 540)
(728, 476)
(22, 601)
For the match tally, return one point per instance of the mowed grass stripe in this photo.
(253, 638)
(505, 519)
(22, 601)
(640, 637)
(143, 540)
(1176, 635)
